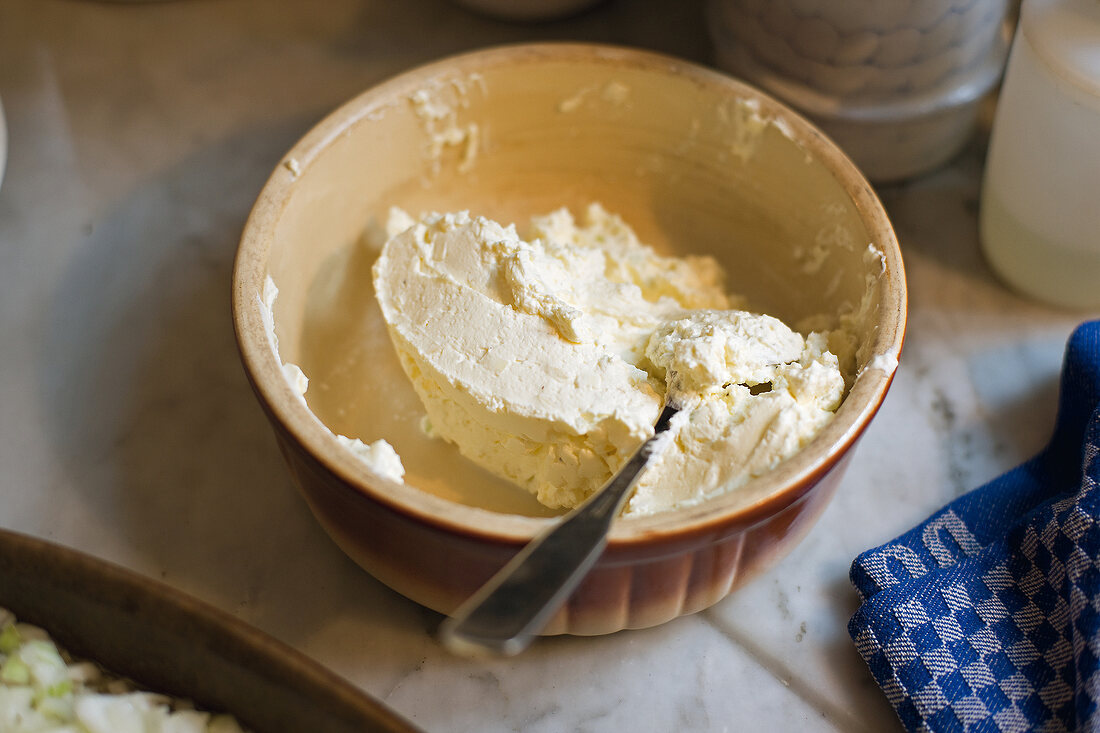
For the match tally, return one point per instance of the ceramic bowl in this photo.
(695, 160)
(171, 643)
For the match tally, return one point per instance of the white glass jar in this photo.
(1040, 208)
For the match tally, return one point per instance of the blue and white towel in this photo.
(986, 617)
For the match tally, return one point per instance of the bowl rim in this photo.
(34, 570)
(726, 513)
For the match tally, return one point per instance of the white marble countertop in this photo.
(139, 135)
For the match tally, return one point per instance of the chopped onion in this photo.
(41, 691)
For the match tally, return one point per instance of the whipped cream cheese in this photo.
(754, 391)
(437, 107)
(546, 359)
(379, 456)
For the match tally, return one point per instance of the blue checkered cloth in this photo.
(986, 617)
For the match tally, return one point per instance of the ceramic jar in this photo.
(896, 83)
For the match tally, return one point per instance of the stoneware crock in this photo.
(696, 161)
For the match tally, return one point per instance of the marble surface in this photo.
(139, 135)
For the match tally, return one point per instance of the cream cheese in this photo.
(379, 456)
(546, 359)
(437, 106)
(755, 392)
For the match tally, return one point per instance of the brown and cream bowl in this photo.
(696, 162)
